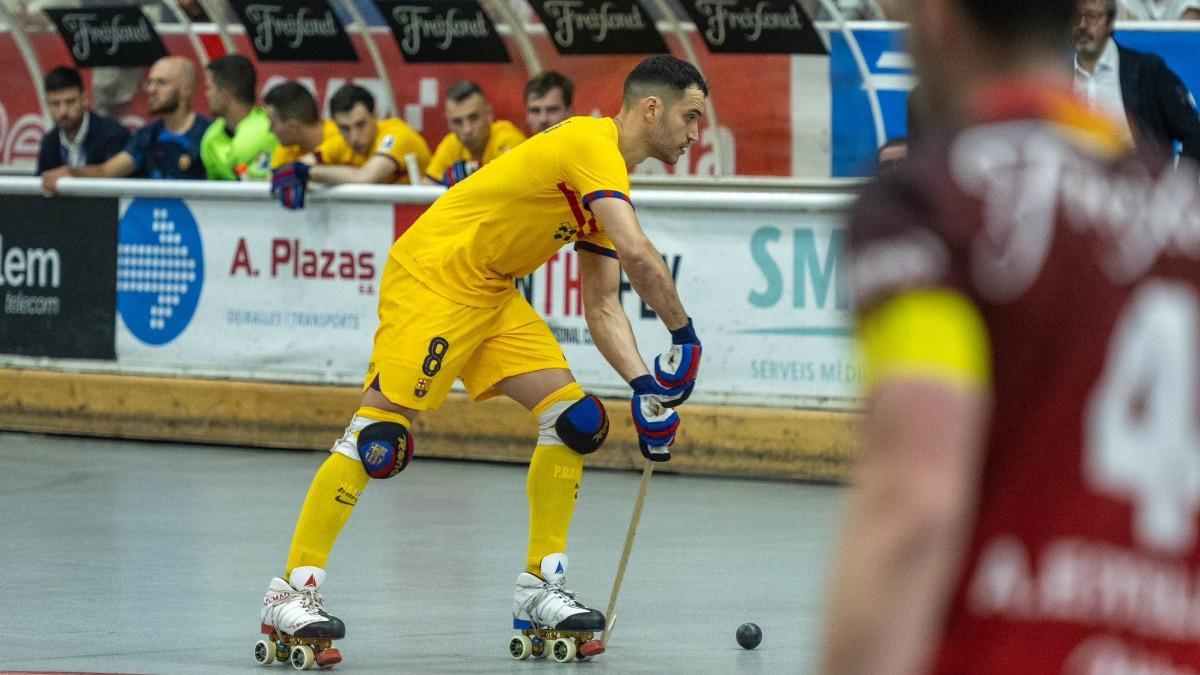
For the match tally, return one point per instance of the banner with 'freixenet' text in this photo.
(295, 30)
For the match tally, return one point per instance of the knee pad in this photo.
(583, 425)
(385, 448)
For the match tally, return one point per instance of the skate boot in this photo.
(552, 622)
(297, 628)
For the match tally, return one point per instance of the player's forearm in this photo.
(909, 518)
(649, 276)
(90, 171)
(887, 597)
(613, 336)
(340, 175)
(118, 166)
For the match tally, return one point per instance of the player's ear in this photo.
(652, 108)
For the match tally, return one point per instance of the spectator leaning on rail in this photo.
(296, 122)
(239, 143)
(354, 147)
(475, 137)
(167, 148)
(1138, 89)
(548, 98)
(79, 136)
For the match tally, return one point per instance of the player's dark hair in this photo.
(62, 78)
(547, 82)
(664, 76)
(292, 101)
(461, 91)
(234, 73)
(1045, 23)
(348, 96)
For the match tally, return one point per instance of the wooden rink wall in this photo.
(769, 443)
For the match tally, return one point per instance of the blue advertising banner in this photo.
(890, 72)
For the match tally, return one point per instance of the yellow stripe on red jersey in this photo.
(511, 216)
(929, 334)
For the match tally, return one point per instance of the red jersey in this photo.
(1084, 263)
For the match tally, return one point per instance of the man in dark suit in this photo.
(1135, 87)
(79, 136)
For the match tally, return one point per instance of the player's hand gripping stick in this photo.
(653, 417)
(677, 367)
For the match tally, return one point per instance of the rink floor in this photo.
(153, 558)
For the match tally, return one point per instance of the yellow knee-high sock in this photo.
(552, 485)
(334, 493)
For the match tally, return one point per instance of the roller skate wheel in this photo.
(563, 650)
(520, 647)
(541, 649)
(302, 657)
(264, 652)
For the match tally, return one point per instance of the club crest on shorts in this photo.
(422, 388)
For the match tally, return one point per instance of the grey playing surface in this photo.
(153, 558)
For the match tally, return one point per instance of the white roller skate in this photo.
(297, 628)
(552, 622)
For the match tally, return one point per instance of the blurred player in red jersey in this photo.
(1028, 291)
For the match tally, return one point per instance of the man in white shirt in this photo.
(1136, 89)
(1098, 60)
(1163, 10)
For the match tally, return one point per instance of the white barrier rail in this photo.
(699, 194)
(217, 280)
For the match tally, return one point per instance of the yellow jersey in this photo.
(286, 154)
(502, 137)
(513, 214)
(393, 139)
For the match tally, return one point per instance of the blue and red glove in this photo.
(654, 417)
(458, 172)
(677, 368)
(289, 183)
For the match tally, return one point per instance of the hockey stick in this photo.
(633, 525)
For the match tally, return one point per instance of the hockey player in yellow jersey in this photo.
(448, 309)
(476, 137)
(354, 146)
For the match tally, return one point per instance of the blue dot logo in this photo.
(160, 269)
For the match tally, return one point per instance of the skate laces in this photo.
(311, 600)
(548, 593)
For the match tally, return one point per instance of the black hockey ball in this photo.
(749, 635)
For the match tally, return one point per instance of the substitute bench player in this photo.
(449, 309)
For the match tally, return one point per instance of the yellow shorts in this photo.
(425, 341)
